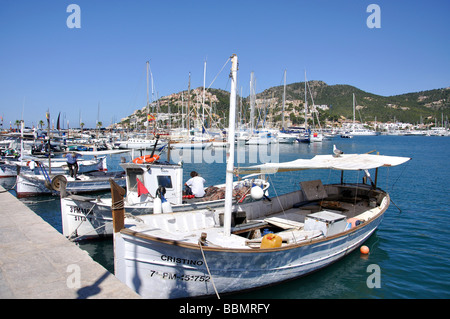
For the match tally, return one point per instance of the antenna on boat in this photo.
(230, 155)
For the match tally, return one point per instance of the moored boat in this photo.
(83, 216)
(28, 184)
(192, 254)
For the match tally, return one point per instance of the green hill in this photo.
(337, 101)
(410, 107)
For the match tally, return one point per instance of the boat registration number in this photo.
(174, 276)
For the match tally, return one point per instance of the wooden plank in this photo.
(283, 223)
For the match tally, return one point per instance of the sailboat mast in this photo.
(306, 104)
(188, 126)
(230, 155)
(148, 111)
(252, 102)
(203, 98)
(182, 110)
(354, 110)
(284, 100)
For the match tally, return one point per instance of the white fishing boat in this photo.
(192, 254)
(86, 217)
(29, 184)
(58, 166)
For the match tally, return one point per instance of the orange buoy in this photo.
(145, 159)
(364, 250)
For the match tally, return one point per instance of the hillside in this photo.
(334, 104)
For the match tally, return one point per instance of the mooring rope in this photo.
(74, 232)
(207, 268)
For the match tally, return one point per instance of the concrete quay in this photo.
(38, 262)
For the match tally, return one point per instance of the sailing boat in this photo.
(305, 136)
(191, 254)
(357, 129)
(198, 140)
(315, 136)
(147, 142)
(283, 137)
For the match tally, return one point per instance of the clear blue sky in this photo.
(45, 65)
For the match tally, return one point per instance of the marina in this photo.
(140, 159)
(409, 187)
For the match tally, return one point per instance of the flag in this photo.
(142, 190)
(150, 117)
(57, 122)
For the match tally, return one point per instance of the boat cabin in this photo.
(152, 176)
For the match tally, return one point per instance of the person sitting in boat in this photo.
(71, 159)
(195, 185)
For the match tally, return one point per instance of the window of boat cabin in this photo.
(132, 174)
(165, 181)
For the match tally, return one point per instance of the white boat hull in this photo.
(180, 271)
(58, 167)
(33, 185)
(140, 144)
(88, 218)
(287, 139)
(193, 145)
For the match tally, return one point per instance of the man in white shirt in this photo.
(196, 184)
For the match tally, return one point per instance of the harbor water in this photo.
(409, 253)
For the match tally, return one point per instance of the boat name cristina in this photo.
(179, 260)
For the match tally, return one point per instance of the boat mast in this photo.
(230, 155)
(203, 97)
(306, 104)
(182, 111)
(252, 102)
(148, 111)
(188, 126)
(354, 109)
(284, 100)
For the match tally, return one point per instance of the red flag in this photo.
(142, 190)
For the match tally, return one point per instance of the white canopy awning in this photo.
(352, 162)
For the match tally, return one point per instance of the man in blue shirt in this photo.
(71, 159)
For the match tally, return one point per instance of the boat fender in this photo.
(157, 202)
(256, 192)
(31, 164)
(157, 208)
(165, 205)
(146, 159)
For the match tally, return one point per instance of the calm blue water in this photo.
(411, 247)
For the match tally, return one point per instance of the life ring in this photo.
(145, 159)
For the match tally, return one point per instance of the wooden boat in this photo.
(151, 176)
(8, 168)
(192, 254)
(29, 184)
